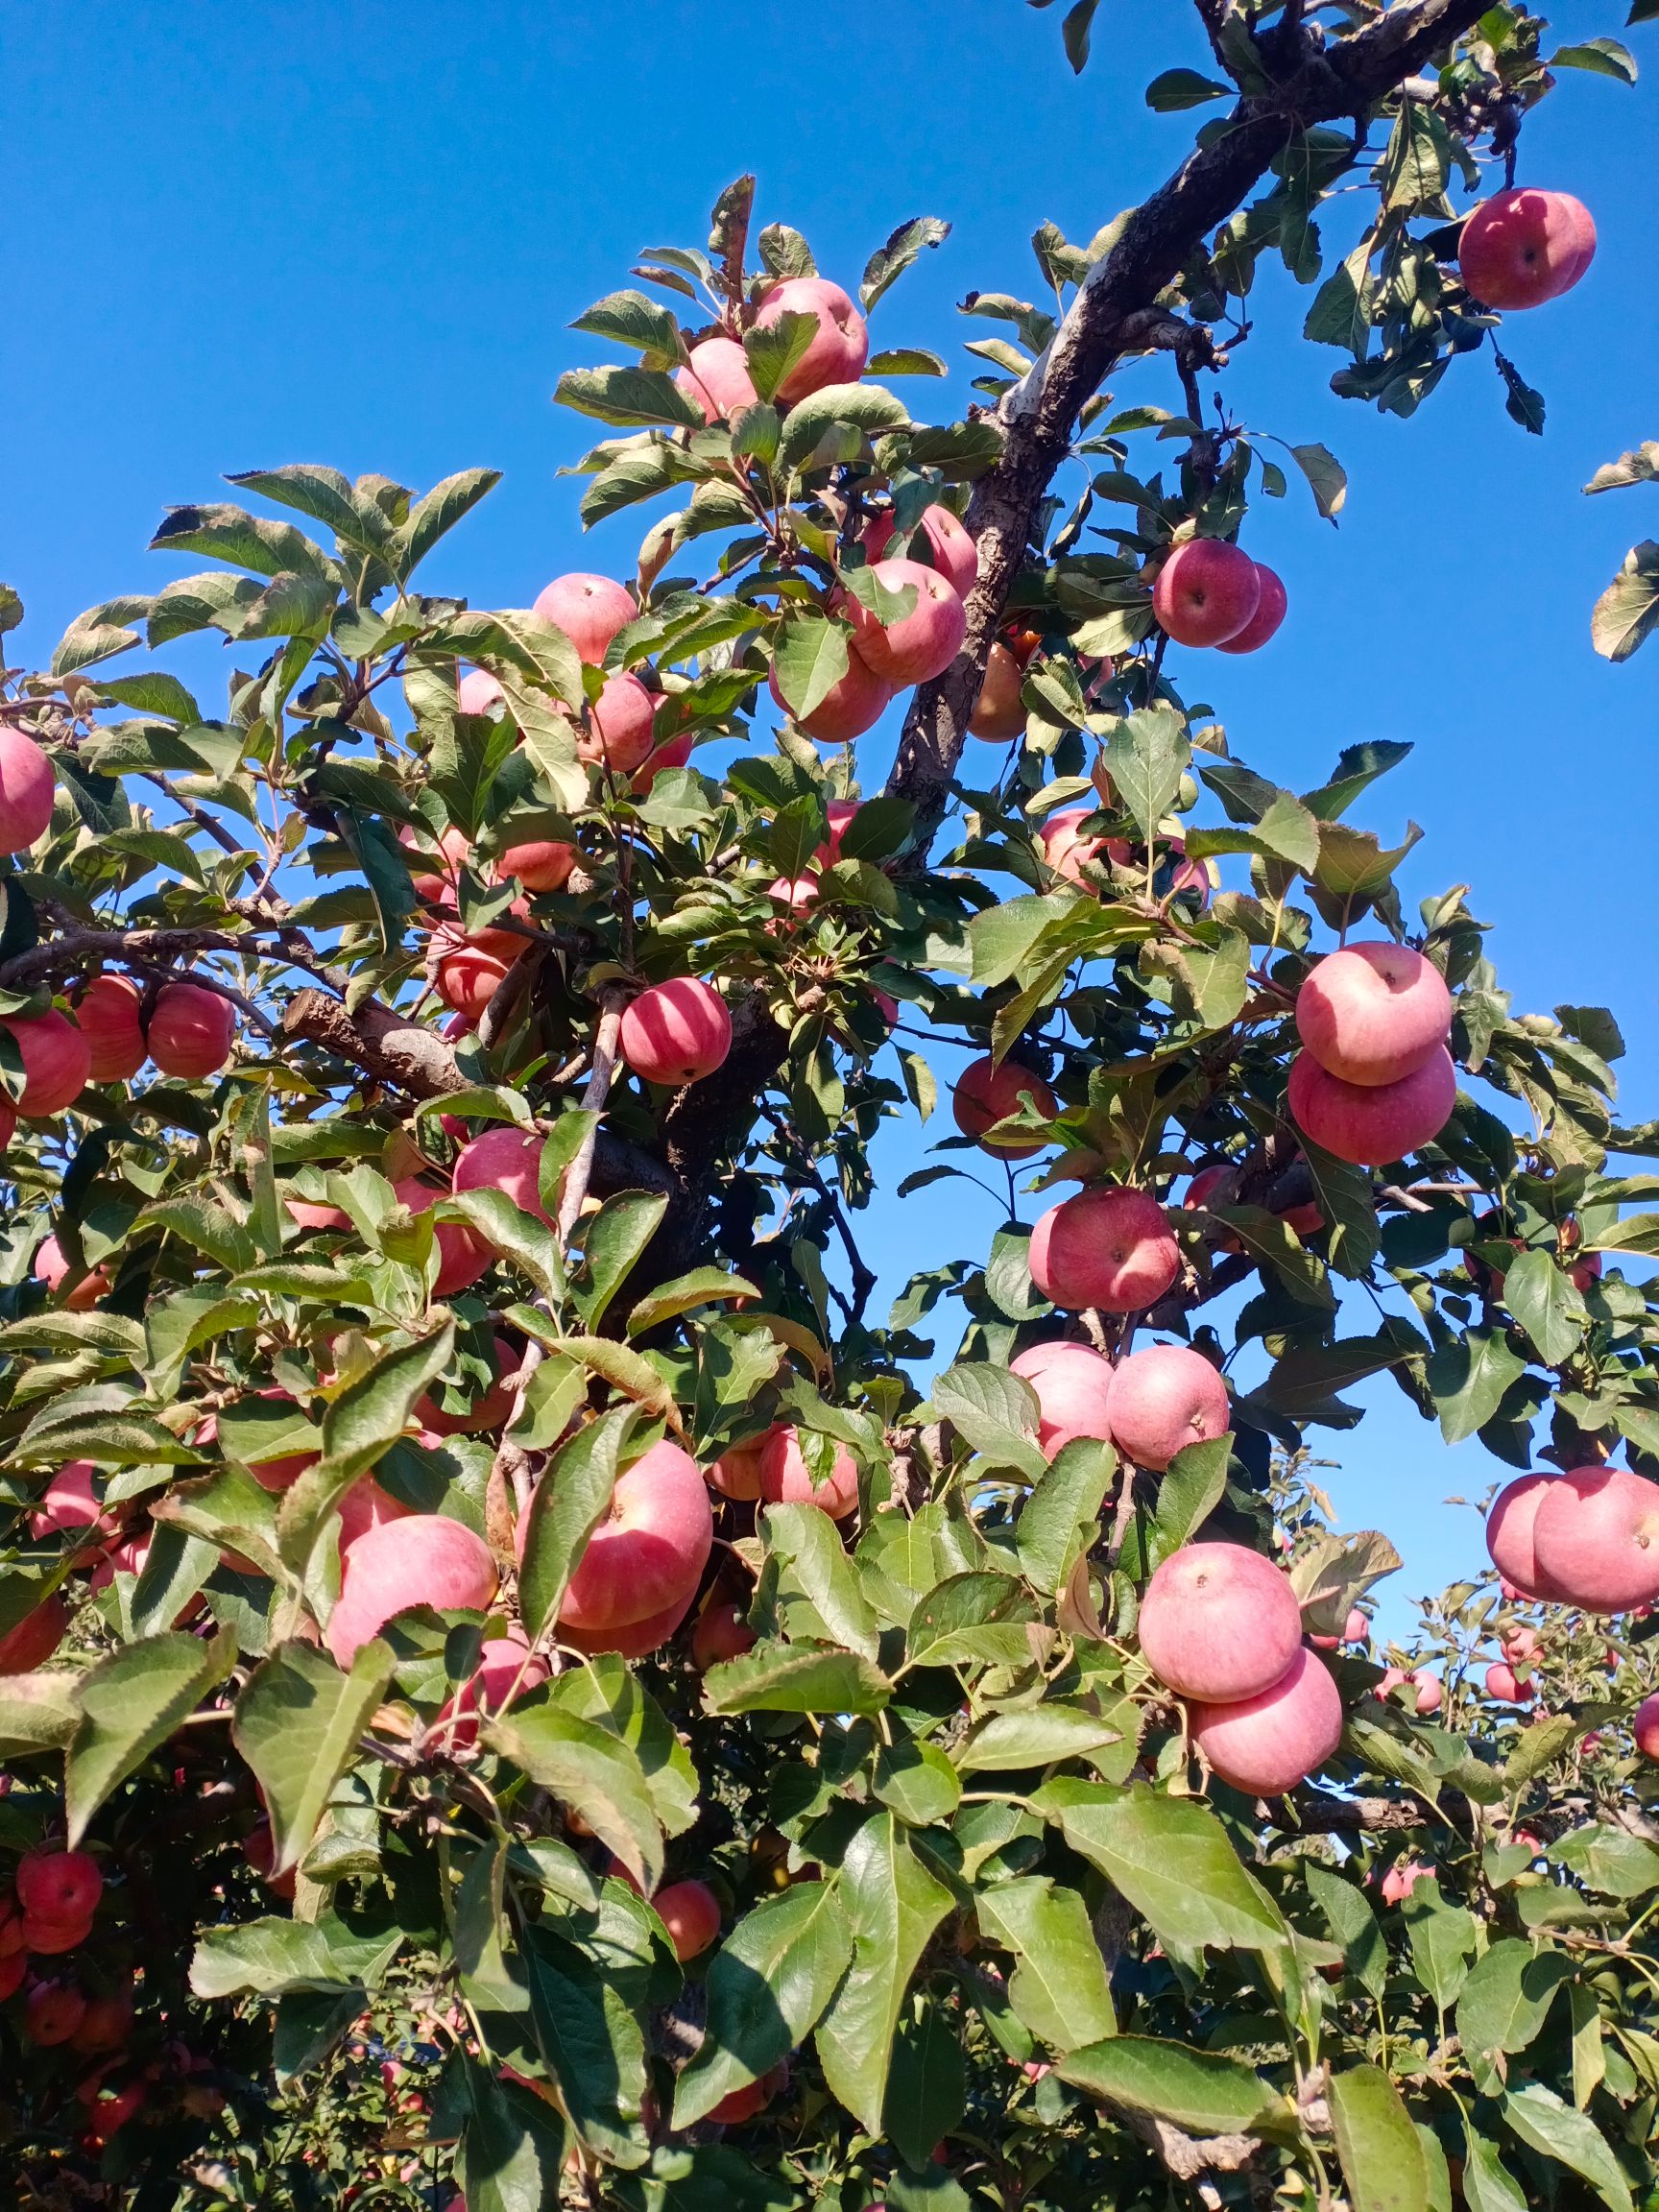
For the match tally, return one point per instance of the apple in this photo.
(8, 1120)
(56, 1061)
(107, 1014)
(1596, 1538)
(1524, 246)
(1206, 591)
(721, 1633)
(454, 852)
(671, 753)
(509, 1160)
(53, 2012)
(716, 378)
(58, 1885)
(462, 1256)
(48, 1938)
(1164, 1399)
(620, 723)
(1270, 607)
(1521, 1644)
(854, 703)
(998, 711)
(736, 1472)
(795, 893)
(307, 1214)
(1505, 1686)
(70, 1502)
(32, 1640)
(466, 978)
(590, 609)
(1356, 1628)
(1073, 1387)
(503, 1660)
(419, 1559)
(541, 864)
(1066, 849)
(1369, 1125)
(1425, 1689)
(190, 1030)
(1272, 1741)
(1374, 1013)
(51, 1267)
(630, 1639)
(839, 346)
(753, 2097)
(910, 648)
(490, 1407)
(1511, 1537)
(1644, 1727)
(1109, 1247)
(478, 692)
(1402, 1878)
(690, 1911)
(106, 2023)
(986, 1093)
(27, 790)
(676, 1032)
(786, 1479)
(839, 814)
(650, 1550)
(1219, 1622)
(366, 1505)
(955, 555)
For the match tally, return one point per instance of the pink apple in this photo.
(107, 1016)
(1356, 1628)
(504, 1660)
(1504, 1686)
(1073, 1390)
(52, 1267)
(1595, 1537)
(488, 1408)
(785, 1478)
(1164, 1399)
(508, 1161)
(854, 704)
(420, 1559)
(1521, 1644)
(1370, 1125)
(478, 692)
(716, 378)
(1219, 1622)
(542, 864)
(1524, 246)
(1644, 1727)
(1206, 591)
(736, 1472)
(1425, 1689)
(1402, 1878)
(27, 789)
(839, 814)
(1272, 1741)
(677, 1032)
(69, 1501)
(462, 1256)
(466, 978)
(590, 609)
(1270, 609)
(1066, 849)
(986, 1095)
(366, 1505)
(998, 711)
(795, 893)
(620, 723)
(1512, 1537)
(839, 346)
(650, 1550)
(690, 1911)
(58, 1885)
(1374, 1013)
(631, 1638)
(437, 885)
(1108, 1247)
(670, 752)
(915, 647)
(955, 555)
(190, 1030)
(56, 1061)
(722, 1632)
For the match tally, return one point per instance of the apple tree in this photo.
(518, 1678)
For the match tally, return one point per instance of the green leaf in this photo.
(130, 1703)
(1487, 2182)
(1177, 88)
(1171, 1859)
(435, 512)
(298, 1723)
(572, 1498)
(917, 1781)
(1059, 1987)
(1147, 757)
(893, 1906)
(1327, 478)
(1601, 56)
(701, 1286)
(863, 407)
(927, 2087)
(587, 1767)
(1542, 1297)
(588, 2030)
(1189, 1494)
(1539, 1746)
(996, 1411)
(523, 1240)
(271, 1957)
(807, 1544)
(605, 1692)
(1505, 2001)
(778, 1678)
(768, 1987)
(811, 660)
(1573, 2139)
(632, 319)
(513, 2147)
(889, 262)
(1521, 402)
(230, 534)
(1352, 1923)
(1381, 2158)
(1034, 1735)
(1468, 1376)
(1610, 1861)
(628, 396)
(612, 1244)
(1066, 1500)
(370, 1413)
(1626, 613)
(1197, 2091)
(211, 1230)
(1442, 1937)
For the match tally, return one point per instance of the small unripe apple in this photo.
(590, 609)
(955, 555)
(690, 1911)
(1164, 1399)
(986, 1093)
(190, 1030)
(1206, 591)
(785, 1478)
(1000, 711)
(839, 346)
(854, 703)
(27, 789)
(1511, 1537)
(541, 864)
(1270, 609)
(107, 1016)
(620, 723)
(1219, 1622)
(676, 1032)
(509, 1160)
(1108, 1247)
(650, 1550)
(1370, 1125)
(56, 1061)
(462, 1256)
(1271, 1743)
(1374, 1013)
(1596, 1539)
(716, 378)
(721, 1633)
(1505, 1685)
(1073, 1387)
(1524, 246)
(58, 1885)
(420, 1559)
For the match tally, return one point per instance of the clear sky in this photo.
(354, 233)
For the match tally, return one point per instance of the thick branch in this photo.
(1039, 416)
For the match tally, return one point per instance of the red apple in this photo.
(1402, 1878)
(1596, 1538)
(785, 1478)
(1108, 1247)
(32, 1640)
(677, 1032)
(716, 378)
(1073, 1387)
(620, 725)
(671, 753)
(998, 711)
(488, 1408)
(466, 978)
(509, 1160)
(503, 1660)
(190, 1030)
(478, 692)
(914, 647)
(420, 1559)
(721, 1633)
(1164, 1399)
(58, 1885)
(650, 1550)
(1505, 1686)
(1511, 1537)
(1524, 246)
(107, 1014)
(307, 1214)
(106, 2023)
(1272, 1741)
(436, 881)
(1374, 1013)
(590, 609)
(736, 1472)
(56, 1061)
(1219, 1622)
(1370, 1125)
(52, 1267)
(839, 813)
(690, 1911)
(1206, 591)
(854, 704)
(366, 1505)
(69, 1501)
(986, 1095)
(1356, 1628)
(795, 893)
(1521, 1644)
(462, 1256)
(631, 1638)
(1270, 607)
(955, 555)
(1426, 1690)
(53, 2012)
(839, 346)
(541, 865)
(27, 789)
(1644, 1727)
(44, 1938)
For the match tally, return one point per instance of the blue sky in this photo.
(355, 234)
